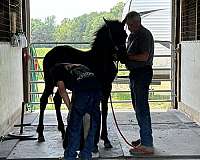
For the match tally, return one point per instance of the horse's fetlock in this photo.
(61, 127)
(40, 129)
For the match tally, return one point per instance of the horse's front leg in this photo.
(104, 102)
(58, 101)
(43, 103)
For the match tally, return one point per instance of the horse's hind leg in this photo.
(43, 102)
(58, 101)
(104, 102)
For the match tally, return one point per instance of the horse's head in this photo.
(112, 37)
(117, 36)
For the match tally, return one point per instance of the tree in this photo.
(78, 29)
(43, 31)
(62, 32)
(116, 11)
(36, 30)
(49, 26)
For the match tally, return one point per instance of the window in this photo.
(198, 20)
(190, 20)
(4, 21)
(7, 9)
(15, 7)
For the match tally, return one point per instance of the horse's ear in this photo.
(124, 21)
(105, 21)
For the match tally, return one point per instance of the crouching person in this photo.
(86, 99)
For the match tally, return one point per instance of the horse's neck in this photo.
(104, 68)
(86, 57)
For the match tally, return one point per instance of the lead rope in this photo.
(115, 120)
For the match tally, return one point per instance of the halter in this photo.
(110, 36)
(116, 48)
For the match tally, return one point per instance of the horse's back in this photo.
(62, 54)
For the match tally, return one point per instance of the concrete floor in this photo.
(175, 137)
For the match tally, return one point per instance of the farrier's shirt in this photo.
(138, 42)
(74, 76)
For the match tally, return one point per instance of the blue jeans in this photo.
(83, 102)
(140, 80)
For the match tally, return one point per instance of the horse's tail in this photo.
(46, 69)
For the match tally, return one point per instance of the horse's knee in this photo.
(61, 127)
(43, 101)
(48, 90)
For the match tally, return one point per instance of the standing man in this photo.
(139, 61)
(86, 99)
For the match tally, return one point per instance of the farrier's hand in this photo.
(63, 93)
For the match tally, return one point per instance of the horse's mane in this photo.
(101, 35)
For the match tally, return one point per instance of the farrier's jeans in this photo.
(83, 102)
(140, 80)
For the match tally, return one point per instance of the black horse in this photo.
(108, 46)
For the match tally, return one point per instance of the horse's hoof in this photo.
(107, 145)
(41, 139)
